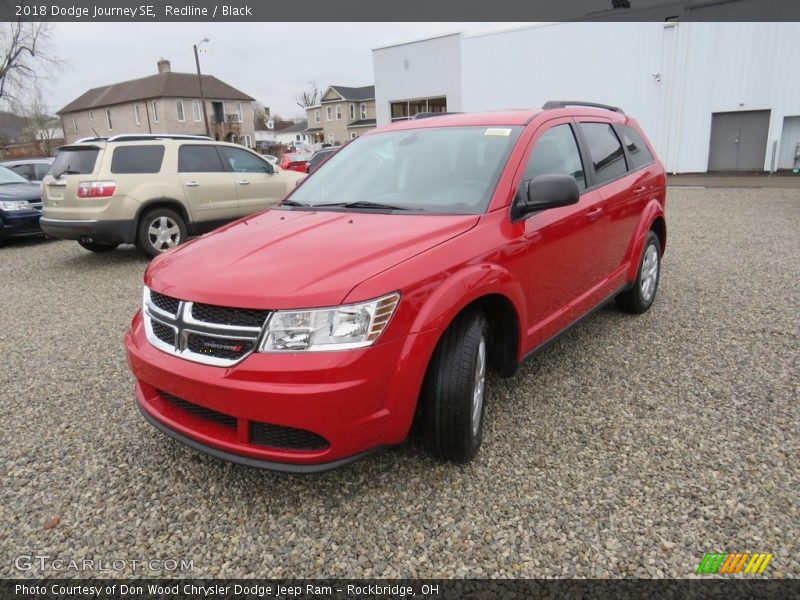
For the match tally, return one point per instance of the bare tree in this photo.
(309, 97)
(24, 55)
(40, 126)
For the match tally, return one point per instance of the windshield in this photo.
(450, 170)
(8, 176)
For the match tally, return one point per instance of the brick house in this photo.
(343, 114)
(163, 103)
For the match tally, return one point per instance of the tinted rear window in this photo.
(74, 161)
(199, 159)
(605, 149)
(137, 159)
(637, 149)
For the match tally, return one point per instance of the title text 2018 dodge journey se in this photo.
(383, 288)
(154, 190)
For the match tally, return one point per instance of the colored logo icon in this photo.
(738, 562)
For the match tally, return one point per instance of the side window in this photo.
(605, 150)
(25, 171)
(40, 170)
(242, 161)
(637, 150)
(137, 159)
(556, 153)
(199, 159)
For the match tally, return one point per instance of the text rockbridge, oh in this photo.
(218, 590)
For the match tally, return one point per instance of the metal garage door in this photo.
(790, 143)
(738, 141)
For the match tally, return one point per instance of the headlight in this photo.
(11, 205)
(337, 328)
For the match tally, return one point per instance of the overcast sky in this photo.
(270, 61)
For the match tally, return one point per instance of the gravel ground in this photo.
(630, 448)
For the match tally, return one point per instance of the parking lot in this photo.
(630, 448)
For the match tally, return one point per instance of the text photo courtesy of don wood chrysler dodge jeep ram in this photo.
(385, 286)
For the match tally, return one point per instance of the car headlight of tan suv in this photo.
(336, 328)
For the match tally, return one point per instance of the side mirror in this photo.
(543, 192)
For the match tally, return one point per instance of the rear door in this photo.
(207, 185)
(60, 187)
(257, 183)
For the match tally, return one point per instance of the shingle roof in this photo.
(162, 85)
(296, 128)
(366, 92)
(362, 123)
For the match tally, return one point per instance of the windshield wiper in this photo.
(365, 204)
(293, 203)
(67, 171)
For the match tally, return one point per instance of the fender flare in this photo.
(650, 214)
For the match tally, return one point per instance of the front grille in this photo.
(227, 349)
(222, 315)
(200, 411)
(287, 438)
(165, 303)
(163, 332)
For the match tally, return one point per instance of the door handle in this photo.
(640, 190)
(244, 182)
(594, 214)
(191, 184)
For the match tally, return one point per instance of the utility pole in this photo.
(200, 81)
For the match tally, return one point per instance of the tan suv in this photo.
(154, 190)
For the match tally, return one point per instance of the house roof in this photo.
(313, 130)
(362, 123)
(366, 92)
(162, 85)
(296, 128)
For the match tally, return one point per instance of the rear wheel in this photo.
(160, 230)
(641, 295)
(97, 246)
(454, 389)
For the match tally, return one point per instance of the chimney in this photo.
(164, 66)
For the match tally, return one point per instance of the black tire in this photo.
(152, 244)
(448, 399)
(97, 246)
(638, 298)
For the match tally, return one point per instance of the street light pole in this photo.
(200, 81)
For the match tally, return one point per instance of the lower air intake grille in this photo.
(200, 411)
(287, 438)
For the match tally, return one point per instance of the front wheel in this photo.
(97, 246)
(160, 230)
(454, 388)
(642, 293)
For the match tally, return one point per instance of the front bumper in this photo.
(356, 401)
(115, 232)
(20, 224)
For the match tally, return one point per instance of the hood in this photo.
(21, 191)
(296, 259)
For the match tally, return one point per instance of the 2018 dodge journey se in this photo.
(382, 289)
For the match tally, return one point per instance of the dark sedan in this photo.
(20, 206)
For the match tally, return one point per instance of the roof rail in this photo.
(427, 115)
(90, 139)
(564, 103)
(135, 137)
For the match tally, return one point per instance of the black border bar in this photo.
(450, 11)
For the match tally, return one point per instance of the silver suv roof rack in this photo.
(564, 103)
(138, 137)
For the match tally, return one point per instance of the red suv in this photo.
(382, 289)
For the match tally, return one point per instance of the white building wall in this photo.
(670, 76)
(420, 69)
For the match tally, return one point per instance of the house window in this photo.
(363, 111)
(353, 135)
(91, 115)
(239, 111)
(179, 111)
(108, 119)
(196, 111)
(338, 112)
(155, 111)
(331, 138)
(247, 141)
(352, 112)
(74, 123)
(329, 113)
(316, 116)
(406, 109)
(136, 114)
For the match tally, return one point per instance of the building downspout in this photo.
(147, 112)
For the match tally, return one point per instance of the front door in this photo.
(257, 183)
(561, 243)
